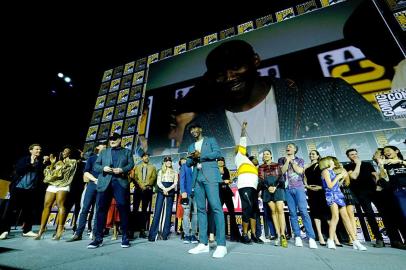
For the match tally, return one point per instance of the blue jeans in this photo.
(268, 223)
(296, 199)
(122, 196)
(210, 191)
(190, 225)
(89, 198)
(166, 216)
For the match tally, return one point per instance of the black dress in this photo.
(349, 197)
(316, 199)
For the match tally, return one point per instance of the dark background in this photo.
(40, 40)
(82, 42)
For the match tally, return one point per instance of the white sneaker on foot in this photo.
(264, 239)
(277, 241)
(312, 243)
(298, 241)
(30, 234)
(331, 244)
(220, 252)
(357, 245)
(200, 248)
(3, 235)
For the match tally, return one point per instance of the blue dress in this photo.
(334, 194)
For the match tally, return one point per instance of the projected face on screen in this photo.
(308, 90)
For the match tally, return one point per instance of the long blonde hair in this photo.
(324, 163)
(338, 167)
(164, 168)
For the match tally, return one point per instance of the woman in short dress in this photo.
(274, 195)
(58, 176)
(349, 198)
(335, 200)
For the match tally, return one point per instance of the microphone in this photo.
(191, 154)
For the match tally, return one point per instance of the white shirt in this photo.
(263, 124)
(198, 147)
(245, 179)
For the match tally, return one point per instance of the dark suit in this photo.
(206, 186)
(110, 185)
(307, 109)
(23, 197)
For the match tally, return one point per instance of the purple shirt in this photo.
(291, 177)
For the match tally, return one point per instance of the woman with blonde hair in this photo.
(335, 200)
(349, 197)
(167, 181)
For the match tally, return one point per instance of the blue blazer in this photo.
(125, 162)
(185, 179)
(208, 158)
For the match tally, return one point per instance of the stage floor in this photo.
(25, 253)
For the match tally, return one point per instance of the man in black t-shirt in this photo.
(363, 185)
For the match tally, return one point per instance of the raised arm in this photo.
(244, 129)
(298, 167)
(330, 183)
(355, 173)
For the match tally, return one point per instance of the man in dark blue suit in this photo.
(203, 155)
(113, 165)
(188, 203)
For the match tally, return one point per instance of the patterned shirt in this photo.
(292, 178)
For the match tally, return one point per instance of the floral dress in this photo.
(334, 194)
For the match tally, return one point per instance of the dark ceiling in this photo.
(83, 42)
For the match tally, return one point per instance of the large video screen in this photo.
(321, 79)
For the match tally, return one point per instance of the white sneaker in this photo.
(3, 235)
(357, 245)
(298, 241)
(220, 252)
(264, 239)
(30, 234)
(277, 241)
(200, 248)
(331, 244)
(312, 243)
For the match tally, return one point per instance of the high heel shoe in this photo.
(40, 235)
(57, 237)
(322, 244)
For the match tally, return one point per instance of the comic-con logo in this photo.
(393, 104)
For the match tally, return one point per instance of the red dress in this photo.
(113, 214)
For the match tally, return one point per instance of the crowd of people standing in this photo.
(330, 190)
